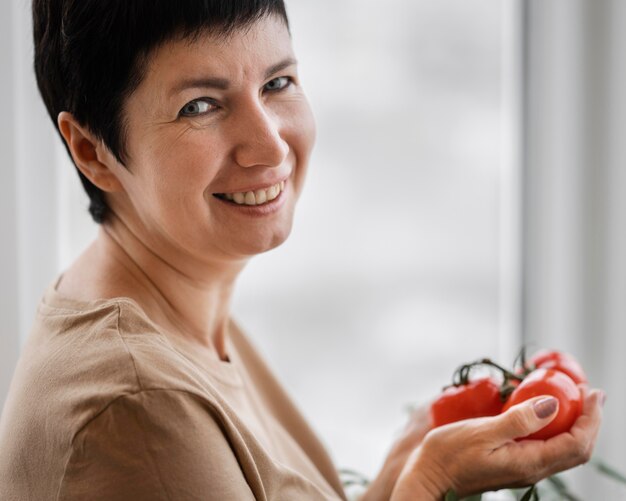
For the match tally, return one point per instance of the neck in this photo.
(185, 296)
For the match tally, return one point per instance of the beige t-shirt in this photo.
(104, 405)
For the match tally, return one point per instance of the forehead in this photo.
(243, 54)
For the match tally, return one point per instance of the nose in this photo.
(260, 141)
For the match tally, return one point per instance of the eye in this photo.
(196, 107)
(278, 83)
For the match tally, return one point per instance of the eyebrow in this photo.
(223, 83)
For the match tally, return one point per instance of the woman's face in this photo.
(216, 129)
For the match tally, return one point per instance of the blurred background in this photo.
(465, 197)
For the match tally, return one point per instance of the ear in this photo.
(90, 154)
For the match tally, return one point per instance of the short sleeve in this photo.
(154, 445)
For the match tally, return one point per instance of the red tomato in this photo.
(559, 385)
(475, 399)
(557, 360)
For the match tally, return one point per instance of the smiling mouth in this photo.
(257, 197)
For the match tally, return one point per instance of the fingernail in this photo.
(545, 407)
(602, 399)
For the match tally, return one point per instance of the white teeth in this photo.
(272, 192)
(257, 197)
(250, 198)
(261, 196)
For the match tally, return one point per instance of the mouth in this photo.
(253, 198)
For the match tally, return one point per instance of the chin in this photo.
(254, 244)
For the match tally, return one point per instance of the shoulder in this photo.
(109, 345)
(142, 446)
(78, 361)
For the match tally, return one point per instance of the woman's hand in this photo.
(409, 439)
(479, 455)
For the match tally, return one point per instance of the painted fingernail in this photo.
(602, 399)
(545, 407)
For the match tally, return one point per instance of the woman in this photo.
(191, 135)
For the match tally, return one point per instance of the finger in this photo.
(574, 448)
(417, 426)
(586, 428)
(587, 425)
(421, 420)
(525, 418)
(593, 401)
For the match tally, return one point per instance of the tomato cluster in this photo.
(548, 372)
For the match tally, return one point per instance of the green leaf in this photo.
(451, 496)
(607, 470)
(530, 494)
(557, 483)
(351, 477)
(348, 483)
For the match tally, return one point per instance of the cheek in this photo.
(307, 127)
(302, 132)
(175, 175)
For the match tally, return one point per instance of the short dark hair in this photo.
(90, 55)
